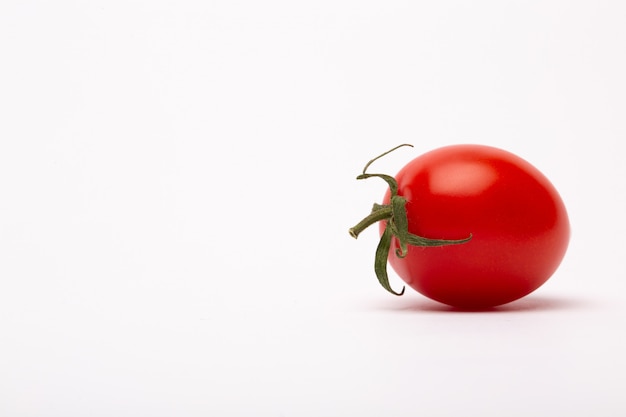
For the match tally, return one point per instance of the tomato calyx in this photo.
(397, 226)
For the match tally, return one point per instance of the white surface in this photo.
(177, 180)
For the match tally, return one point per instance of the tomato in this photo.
(498, 227)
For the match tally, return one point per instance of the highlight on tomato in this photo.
(471, 226)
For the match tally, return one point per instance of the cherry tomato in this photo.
(505, 225)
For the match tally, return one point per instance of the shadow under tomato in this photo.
(526, 304)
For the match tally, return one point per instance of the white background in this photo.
(177, 181)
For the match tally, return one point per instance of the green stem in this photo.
(381, 213)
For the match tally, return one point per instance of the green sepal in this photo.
(415, 240)
(400, 224)
(380, 261)
(391, 181)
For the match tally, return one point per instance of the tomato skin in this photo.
(518, 222)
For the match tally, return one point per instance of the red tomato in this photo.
(517, 221)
